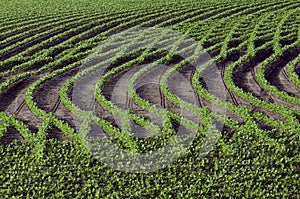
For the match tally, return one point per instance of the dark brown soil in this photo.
(244, 77)
(55, 133)
(277, 76)
(10, 136)
(47, 97)
(12, 102)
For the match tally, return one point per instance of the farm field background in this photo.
(242, 103)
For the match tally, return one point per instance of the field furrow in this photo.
(149, 99)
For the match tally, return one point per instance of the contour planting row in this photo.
(22, 30)
(236, 64)
(80, 36)
(90, 22)
(187, 15)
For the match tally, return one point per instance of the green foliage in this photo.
(47, 39)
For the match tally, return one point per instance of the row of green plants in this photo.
(19, 77)
(241, 110)
(9, 121)
(31, 26)
(47, 29)
(217, 35)
(164, 114)
(246, 165)
(43, 53)
(72, 23)
(29, 98)
(251, 54)
(141, 101)
(23, 24)
(21, 57)
(278, 52)
(102, 97)
(68, 43)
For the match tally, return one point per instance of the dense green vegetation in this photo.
(255, 46)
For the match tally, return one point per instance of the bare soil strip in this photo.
(12, 102)
(245, 78)
(11, 135)
(289, 87)
(276, 74)
(55, 133)
(231, 94)
(247, 81)
(47, 97)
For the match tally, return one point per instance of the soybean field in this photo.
(149, 99)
